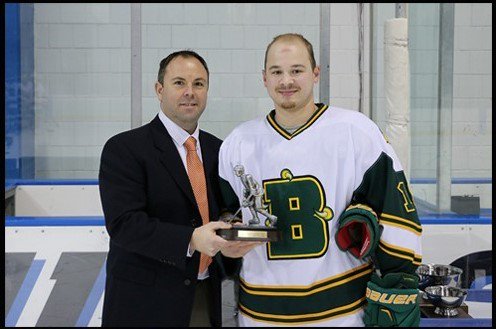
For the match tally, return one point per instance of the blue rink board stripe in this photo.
(99, 221)
(55, 221)
(480, 295)
(16, 182)
(460, 323)
(453, 181)
(455, 220)
(24, 293)
(93, 299)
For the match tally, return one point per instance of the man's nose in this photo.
(287, 79)
(188, 90)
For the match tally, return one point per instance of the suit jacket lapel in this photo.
(170, 158)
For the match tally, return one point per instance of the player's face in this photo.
(183, 95)
(288, 76)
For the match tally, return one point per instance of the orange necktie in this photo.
(196, 176)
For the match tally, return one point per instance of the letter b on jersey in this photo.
(299, 204)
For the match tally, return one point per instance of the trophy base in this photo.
(427, 310)
(250, 233)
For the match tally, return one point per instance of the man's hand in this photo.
(236, 249)
(205, 240)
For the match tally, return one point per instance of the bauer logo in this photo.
(384, 298)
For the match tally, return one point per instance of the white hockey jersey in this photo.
(309, 177)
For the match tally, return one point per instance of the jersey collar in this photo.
(271, 119)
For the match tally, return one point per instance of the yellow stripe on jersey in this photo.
(300, 318)
(401, 223)
(400, 252)
(299, 291)
(362, 206)
(310, 121)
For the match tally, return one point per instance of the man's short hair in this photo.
(182, 53)
(292, 37)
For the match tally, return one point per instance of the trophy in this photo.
(438, 274)
(446, 299)
(257, 229)
(442, 296)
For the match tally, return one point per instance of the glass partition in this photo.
(423, 43)
(423, 37)
(76, 63)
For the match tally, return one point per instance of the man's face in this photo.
(288, 76)
(183, 95)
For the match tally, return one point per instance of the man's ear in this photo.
(316, 73)
(264, 78)
(158, 90)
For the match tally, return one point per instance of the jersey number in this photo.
(407, 197)
(299, 204)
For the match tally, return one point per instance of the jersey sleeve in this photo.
(384, 187)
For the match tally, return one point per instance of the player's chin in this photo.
(288, 105)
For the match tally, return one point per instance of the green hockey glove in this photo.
(392, 301)
(358, 231)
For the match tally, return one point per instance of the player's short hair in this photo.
(292, 37)
(182, 53)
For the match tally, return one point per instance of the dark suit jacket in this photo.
(150, 214)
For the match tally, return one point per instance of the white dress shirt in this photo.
(179, 136)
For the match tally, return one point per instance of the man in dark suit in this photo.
(161, 198)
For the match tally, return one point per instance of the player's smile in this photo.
(288, 93)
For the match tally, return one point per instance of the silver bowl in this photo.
(446, 299)
(438, 275)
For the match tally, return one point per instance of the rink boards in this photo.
(55, 269)
(55, 252)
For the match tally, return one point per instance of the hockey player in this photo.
(350, 230)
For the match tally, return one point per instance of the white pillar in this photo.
(397, 89)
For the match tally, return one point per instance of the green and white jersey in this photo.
(309, 177)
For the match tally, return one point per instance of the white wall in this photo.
(82, 73)
(82, 84)
(232, 38)
(344, 79)
(82, 64)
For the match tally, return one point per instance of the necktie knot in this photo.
(190, 144)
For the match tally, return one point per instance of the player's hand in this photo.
(205, 240)
(236, 249)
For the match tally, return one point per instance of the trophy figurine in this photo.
(253, 200)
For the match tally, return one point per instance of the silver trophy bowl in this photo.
(438, 275)
(446, 299)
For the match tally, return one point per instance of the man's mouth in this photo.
(287, 93)
(188, 104)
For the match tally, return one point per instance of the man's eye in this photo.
(296, 71)
(179, 83)
(200, 84)
(276, 72)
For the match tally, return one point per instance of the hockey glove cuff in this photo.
(358, 231)
(392, 301)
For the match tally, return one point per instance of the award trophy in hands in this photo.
(257, 229)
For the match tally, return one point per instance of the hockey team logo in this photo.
(300, 204)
